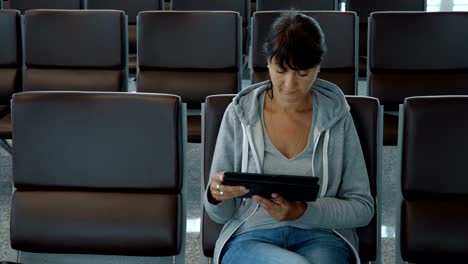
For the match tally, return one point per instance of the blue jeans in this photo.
(288, 245)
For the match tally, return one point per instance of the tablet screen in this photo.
(293, 188)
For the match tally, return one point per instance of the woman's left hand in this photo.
(281, 209)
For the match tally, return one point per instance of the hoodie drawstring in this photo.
(245, 150)
(325, 164)
(246, 142)
(324, 183)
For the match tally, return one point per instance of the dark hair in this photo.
(296, 41)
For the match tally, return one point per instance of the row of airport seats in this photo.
(242, 6)
(92, 55)
(245, 8)
(94, 198)
(86, 50)
(132, 8)
(401, 63)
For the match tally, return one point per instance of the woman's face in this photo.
(291, 85)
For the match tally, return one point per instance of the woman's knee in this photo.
(329, 255)
(260, 253)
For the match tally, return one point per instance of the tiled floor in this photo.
(5, 200)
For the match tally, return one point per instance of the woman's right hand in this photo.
(220, 192)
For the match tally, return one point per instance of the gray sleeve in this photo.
(224, 159)
(354, 206)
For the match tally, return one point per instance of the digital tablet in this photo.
(293, 188)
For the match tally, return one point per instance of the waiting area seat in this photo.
(415, 54)
(310, 5)
(10, 69)
(131, 9)
(189, 53)
(339, 65)
(240, 6)
(75, 50)
(434, 187)
(364, 8)
(24, 5)
(367, 117)
(99, 178)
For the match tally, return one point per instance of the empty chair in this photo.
(364, 8)
(191, 54)
(415, 53)
(98, 195)
(24, 5)
(340, 62)
(367, 117)
(131, 8)
(240, 6)
(10, 69)
(268, 5)
(434, 186)
(75, 50)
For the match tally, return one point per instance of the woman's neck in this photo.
(278, 105)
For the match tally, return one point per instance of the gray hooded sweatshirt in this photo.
(344, 201)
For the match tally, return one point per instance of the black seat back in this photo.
(269, 5)
(212, 115)
(364, 8)
(11, 65)
(434, 185)
(98, 194)
(131, 8)
(366, 114)
(24, 5)
(189, 53)
(10, 55)
(75, 50)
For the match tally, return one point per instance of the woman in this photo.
(293, 124)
